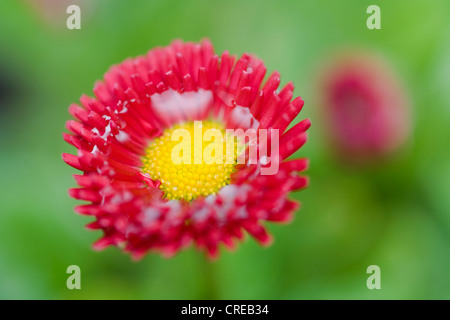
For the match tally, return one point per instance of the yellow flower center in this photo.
(191, 160)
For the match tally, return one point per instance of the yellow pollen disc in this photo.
(191, 160)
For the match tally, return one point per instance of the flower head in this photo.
(159, 172)
(365, 107)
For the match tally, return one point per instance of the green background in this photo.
(395, 215)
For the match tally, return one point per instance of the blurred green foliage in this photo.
(396, 215)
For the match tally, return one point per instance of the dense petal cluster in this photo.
(365, 107)
(142, 97)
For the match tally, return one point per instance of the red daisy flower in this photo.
(366, 109)
(140, 198)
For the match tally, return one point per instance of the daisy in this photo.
(141, 198)
(365, 107)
